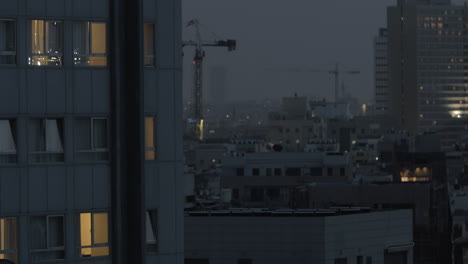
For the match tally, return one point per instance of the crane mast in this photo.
(197, 62)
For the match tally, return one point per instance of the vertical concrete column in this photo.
(128, 213)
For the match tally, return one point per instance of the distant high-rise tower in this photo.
(218, 85)
(427, 62)
(381, 93)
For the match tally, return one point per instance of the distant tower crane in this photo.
(336, 72)
(197, 62)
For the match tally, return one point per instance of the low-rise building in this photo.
(270, 178)
(341, 235)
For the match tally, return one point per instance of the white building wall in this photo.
(355, 235)
(297, 240)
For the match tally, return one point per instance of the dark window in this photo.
(196, 261)
(359, 260)
(244, 261)
(341, 261)
(7, 42)
(152, 231)
(277, 171)
(256, 195)
(342, 172)
(92, 141)
(235, 194)
(293, 171)
(269, 172)
(46, 140)
(317, 172)
(47, 238)
(369, 260)
(273, 194)
(240, 171)
(330, 171)
(7, 141)
(396, 257)
(256, 172)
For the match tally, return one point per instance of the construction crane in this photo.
(336, 72)
(197, 62)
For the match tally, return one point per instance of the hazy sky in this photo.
(288, 33)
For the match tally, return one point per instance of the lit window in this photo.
(90, 44)
(46, 140)
(7, 141)
(46, 43)
(152, 231)
(8, 240)
(148, 34)
(47, 238)
(92, 139)
(7, 42)
(94, 234)
(150, 150)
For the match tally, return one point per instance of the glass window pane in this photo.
(53, 136)
(37, 37)
(8, 239)
(46, 43)
(7, 142)
(55, 231)
(53, 42)
(100, 133)
(90, 44)
(36, 135)
(148, 34)
(98, 38)
(7, 42)
(100, 228)
(83, 134)
(85, 229)
(38, 238)
(149, 138)
(151, 226)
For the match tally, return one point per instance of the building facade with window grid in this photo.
(63, 137)
(427, 64)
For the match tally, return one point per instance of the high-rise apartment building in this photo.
(381, 92)
(427, 65)
(90, 133)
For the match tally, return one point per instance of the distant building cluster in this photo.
(273, 169)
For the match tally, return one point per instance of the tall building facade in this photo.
(381, 92)
(90, 131)
(427, 62)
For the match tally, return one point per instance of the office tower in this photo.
(381, 93)
(426, 66)
(218, 85)
(90, 143)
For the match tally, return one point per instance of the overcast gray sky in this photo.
(284, 33)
